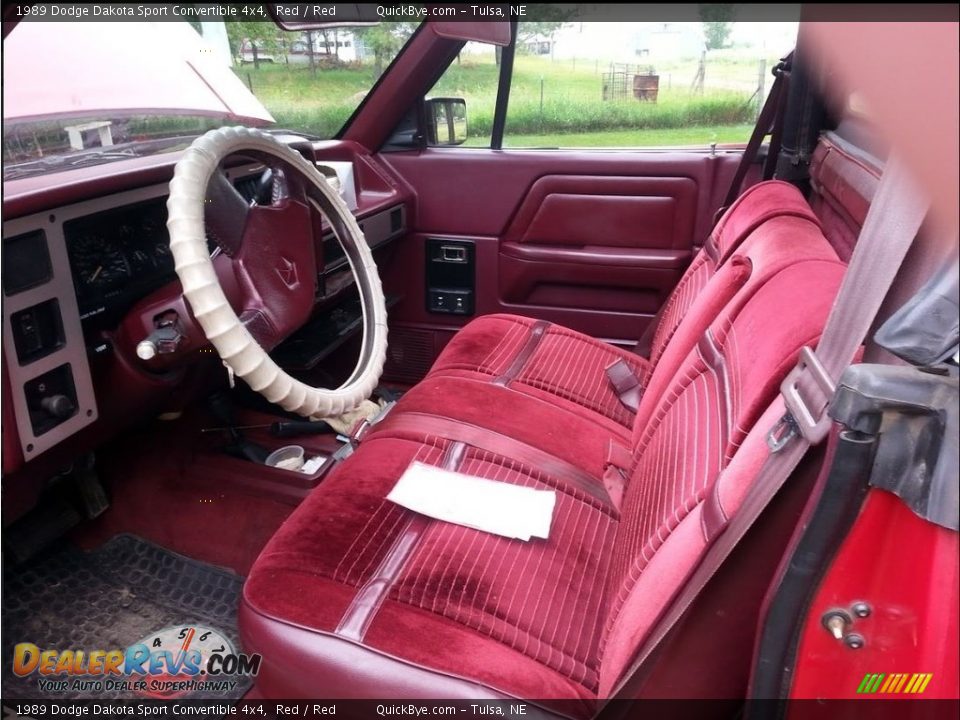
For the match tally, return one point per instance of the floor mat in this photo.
(126, 591)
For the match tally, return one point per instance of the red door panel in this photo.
(636, 212)
(472, 191)
(598, 243)
(567, 218)
(589, 278)
(594, 240)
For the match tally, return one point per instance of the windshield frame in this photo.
(373, 88)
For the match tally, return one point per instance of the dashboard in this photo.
(86, 275)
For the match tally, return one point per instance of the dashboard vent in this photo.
(396, 220)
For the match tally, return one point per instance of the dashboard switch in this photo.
(58, 406)
(37, 331)
(452, 301)
(51, 399)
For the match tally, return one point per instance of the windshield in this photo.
(83, 93)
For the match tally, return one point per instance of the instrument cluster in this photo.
(117, 256)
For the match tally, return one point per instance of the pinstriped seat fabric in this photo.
(355, 596)
(565, 367)
(542, 359)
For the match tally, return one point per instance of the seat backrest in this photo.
(689, 434)
(757, 205)
(775, 244)
(844, 179)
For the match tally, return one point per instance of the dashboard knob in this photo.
(146, 350)
(58, 406)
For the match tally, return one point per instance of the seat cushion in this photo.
(543, 360)
(507, 419)
(357, 569)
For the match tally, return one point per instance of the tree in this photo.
(717, 34)
(330, 42)
(717, 24)
(529, 30)
(262, 37)
(311, 50)
(384, 41)
(543, 20)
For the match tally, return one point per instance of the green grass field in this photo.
(571, 113)
(631, 138)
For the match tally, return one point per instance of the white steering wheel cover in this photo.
(201, 287)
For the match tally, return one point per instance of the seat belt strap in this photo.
(776, 128)
(888, 232)
(419, 423)
(769, 121)
(626, 385)
(616, 470)
(892, 223)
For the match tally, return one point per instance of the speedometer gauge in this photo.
(161, 254)
(97, 263)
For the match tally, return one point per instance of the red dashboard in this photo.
(72, 375)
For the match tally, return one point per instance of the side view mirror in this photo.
(446, 121)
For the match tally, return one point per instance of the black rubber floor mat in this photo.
(126, 591)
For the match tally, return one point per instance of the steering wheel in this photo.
(271, 249)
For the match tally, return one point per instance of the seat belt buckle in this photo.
(808, 419)
(360, 431)
(352, 441)
(625, 384)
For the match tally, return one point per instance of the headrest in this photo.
(756, 205)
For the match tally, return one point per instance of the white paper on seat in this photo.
(494, 507)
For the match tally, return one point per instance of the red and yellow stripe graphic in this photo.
(894, 683)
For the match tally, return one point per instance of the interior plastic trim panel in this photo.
(72, 351)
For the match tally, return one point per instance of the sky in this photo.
(617, 41)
